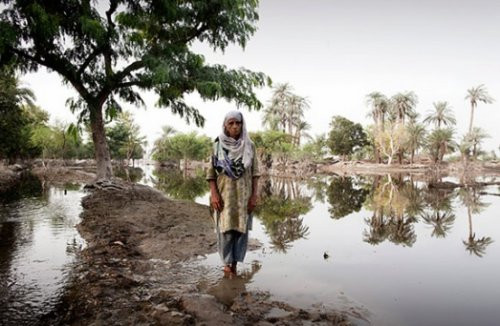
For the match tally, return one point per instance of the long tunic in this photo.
(235, 194)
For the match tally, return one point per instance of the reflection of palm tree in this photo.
(378, 228)
(280, 210)
(477, 246)
(441, 222)
(285, 232)
(402, 231)
(395, 204)
(471, 199)
(317, 186)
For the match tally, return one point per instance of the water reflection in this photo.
(439, 213)
(280, 211)
(37, 241)
(470, 198)
(367, 226)
(128, 173)
(345, 196)
(396, 204)
(227, 289)
(179, 185)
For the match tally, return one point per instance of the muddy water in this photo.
(38, 240)
(386, 251)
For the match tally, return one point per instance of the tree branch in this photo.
(89, 59)
(57, 65)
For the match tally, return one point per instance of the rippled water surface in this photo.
(37, 244)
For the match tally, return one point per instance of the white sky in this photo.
(336, 51)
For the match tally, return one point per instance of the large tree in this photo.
(475, 95)
(112, 53)
(345, 137)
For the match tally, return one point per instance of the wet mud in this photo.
(143, 266)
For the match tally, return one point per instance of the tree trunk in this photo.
(103, 160)
(377, 153)
(472, 106)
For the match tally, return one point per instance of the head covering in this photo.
(234, 156)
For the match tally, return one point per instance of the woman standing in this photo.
(233, 177)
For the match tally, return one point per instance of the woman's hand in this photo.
(216, 201)
(252, 202)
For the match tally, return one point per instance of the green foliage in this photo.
(124, 139)
(345, 137)
(15, 117)
(133, 45)
(316, 149)
(439, 142)
(442, 114)
(185, 146)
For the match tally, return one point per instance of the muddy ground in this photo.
(142, 266)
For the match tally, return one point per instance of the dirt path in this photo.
(141, 268)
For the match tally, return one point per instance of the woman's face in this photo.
(233, 128)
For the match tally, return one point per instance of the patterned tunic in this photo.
(235, 194)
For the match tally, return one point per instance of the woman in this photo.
(233, 177)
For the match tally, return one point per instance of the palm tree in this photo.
(439, 142)
(403, 105)
(379, 106)
(475, 138)
(10, 87)
(442, 114)
(301, 131)
(295, 111)
(276, 112)
(475, 95)
(416, 138)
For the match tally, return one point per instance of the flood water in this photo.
(386, 250)
(38, 241)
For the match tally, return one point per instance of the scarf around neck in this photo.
(233, 156)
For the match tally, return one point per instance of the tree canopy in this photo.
(345, 136)
(110, 54)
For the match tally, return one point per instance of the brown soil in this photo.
(141, 266)
(472, 170)
(58, 175)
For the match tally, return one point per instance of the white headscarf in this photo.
(237, 148)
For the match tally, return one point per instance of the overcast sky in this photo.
(335, 52)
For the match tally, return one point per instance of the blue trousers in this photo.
(232, 244)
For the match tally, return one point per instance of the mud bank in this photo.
(472, 169)
(142, 267)
(10, 176)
